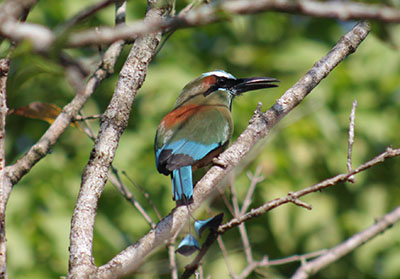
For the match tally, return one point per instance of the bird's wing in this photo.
(184, 142)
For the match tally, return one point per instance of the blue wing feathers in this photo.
(195, 150)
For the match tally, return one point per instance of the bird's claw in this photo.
(218, 162)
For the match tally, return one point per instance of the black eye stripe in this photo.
(222, 81)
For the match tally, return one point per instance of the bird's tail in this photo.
(182, 185)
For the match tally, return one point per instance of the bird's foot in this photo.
(218, 162)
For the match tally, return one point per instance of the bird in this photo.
(199, 127)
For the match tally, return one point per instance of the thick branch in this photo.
(113, 123)
(131, 258)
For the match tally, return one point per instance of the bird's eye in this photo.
(222, 82)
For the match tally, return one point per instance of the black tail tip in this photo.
(184, 201)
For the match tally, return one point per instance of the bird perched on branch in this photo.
(199, 127)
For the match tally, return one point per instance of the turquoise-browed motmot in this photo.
(199, 127)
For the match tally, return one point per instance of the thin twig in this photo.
(234, 197)
(64, 119)
(297, 258)
(172, 259)
(251, 267)
(226, 256)
(242, 229)
(85, 13)
(117, 182)
(312, 267)
(254, 180)
(225, 200)
(351, 140)
(87, 128)
(389, 153)
(89, 117)
(145, 194)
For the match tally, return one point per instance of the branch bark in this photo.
(113, 123)
(5, 185)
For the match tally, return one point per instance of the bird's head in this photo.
(223, 84)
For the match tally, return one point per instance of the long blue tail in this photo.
(182, 185)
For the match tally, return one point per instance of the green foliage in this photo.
(307, 146)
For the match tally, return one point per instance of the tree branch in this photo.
(238, 221)
(43, 38)
(207, 14)
(5, 185)
(312, 267)
(113, 123)
(261, 123)
(62, 122)
(389, 153)
(130, 259)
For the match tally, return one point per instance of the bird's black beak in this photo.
(248, 84)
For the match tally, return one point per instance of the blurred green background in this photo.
(307, 146)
